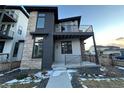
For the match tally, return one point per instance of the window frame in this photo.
(39, 16)
(34, 57)
(69, 51)
(16, 50)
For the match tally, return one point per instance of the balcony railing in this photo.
(8, 33)
(73, 28)
(4, 57)
(10, 14)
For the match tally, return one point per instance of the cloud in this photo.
(120, 38)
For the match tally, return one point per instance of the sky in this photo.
(107, 21)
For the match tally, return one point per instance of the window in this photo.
(40, 21)
(20, 30)
(37, 49)
(1, 46)
(66, 47)
(16, 49)
(2, 27)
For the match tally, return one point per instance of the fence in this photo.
(72, 59)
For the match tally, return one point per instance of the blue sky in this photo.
(107, 21)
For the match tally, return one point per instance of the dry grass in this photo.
(104, 83)
(17, 85)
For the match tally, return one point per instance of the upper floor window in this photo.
(20, 30)
(40, 21)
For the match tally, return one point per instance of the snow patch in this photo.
(69, 75)
(121, 68)
(39, 74)
(71, 71)
(103, 69)
(1, 74)
(12, 81)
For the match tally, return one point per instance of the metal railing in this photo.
(10, 13)
(73, 28)
(4, 57)
(9, 33)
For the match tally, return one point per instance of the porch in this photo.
(73, 61)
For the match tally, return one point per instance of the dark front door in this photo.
(1, 46)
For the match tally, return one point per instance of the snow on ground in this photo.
(69, 73)
(39, 76)
(22, 81)
(58, 72)
(120, 67)
(1, 74)
(84, 86)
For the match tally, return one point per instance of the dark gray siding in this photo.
(47, 59)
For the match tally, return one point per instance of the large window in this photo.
(40, 21)
(38, 45)
(66, 47)
(16, 49)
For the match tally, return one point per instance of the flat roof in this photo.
(43, 9)
(15, 7)
(78, 18)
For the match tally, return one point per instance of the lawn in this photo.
(103, 83)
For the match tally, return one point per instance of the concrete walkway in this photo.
(59, 79)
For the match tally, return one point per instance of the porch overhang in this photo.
(34, 34)
(68, 35)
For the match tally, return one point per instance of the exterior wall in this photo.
(22, 21)
(76, 50)
(27, 61)
(48, 41)
(92, 51)
(6, 66)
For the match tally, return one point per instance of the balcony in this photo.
(73, 31)
(8, 34)
(8, 16)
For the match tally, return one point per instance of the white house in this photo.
(13, 27)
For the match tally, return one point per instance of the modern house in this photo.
(51, 40)
(13, 27)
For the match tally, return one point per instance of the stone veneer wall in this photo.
(27, 61)
(7, 66)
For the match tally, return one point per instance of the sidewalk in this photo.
(59, 79)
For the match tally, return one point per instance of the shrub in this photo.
(21, 76)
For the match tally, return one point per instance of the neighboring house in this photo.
(104, 50)
(51, 40)
(13, 27)
(115, 52)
